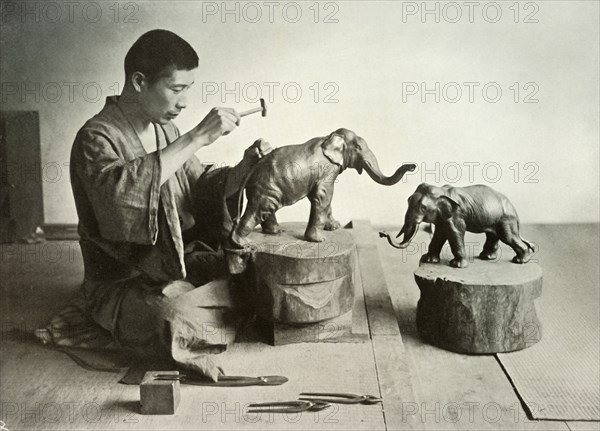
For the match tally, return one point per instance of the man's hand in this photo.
(218, 122)
(256, 151)
(239, 172)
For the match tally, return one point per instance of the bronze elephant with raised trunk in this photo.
(293, 172)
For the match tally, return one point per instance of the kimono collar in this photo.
(112, 104)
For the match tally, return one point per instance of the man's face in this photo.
(164, 99)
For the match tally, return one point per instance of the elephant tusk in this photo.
(401, 232)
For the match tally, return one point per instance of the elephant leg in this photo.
(435, 246)
(490, 248)
(331, 223)
(270, 225)
(247, 223)
(509, 234)
(320, 199)
(456, 238)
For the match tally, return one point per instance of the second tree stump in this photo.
(487, 307)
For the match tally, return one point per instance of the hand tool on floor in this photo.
(225, 381)
(262, 109)
(287, 407)
(339, 398)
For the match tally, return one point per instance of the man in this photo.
(151, 216)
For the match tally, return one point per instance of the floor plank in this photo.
(44, 389)
(393, 370)
(583, 426)
(455, 391)
(560, 376)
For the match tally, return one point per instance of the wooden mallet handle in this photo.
(262, 109)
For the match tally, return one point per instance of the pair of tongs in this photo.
(339, 398)
(225, 381)
(297, 406)
(312, 402)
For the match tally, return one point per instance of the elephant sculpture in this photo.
(293, 172)
(454, 210)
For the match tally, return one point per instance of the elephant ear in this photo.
(333, 148)
(447, 207)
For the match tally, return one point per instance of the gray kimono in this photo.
(139, 241)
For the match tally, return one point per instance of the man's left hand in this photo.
(239, 172)
(256, 151)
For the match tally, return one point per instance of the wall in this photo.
(543, 155)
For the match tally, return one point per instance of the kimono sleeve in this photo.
(124, 195)
(195, 169)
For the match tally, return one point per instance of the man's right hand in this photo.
(218, 122)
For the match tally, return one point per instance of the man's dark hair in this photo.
(156, 53)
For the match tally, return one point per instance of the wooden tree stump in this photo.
(301, 282)
(487, 307)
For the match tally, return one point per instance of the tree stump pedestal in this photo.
(304, 291)
(487, 307)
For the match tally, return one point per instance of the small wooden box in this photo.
(159, 397)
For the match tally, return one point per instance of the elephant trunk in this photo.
(409, 231)
(372, 167)
(408, 236)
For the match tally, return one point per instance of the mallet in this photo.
(262, 109)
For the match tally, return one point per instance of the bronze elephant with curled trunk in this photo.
(456, 210)
(290, 173)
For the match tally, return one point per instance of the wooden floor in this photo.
(423, 387)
